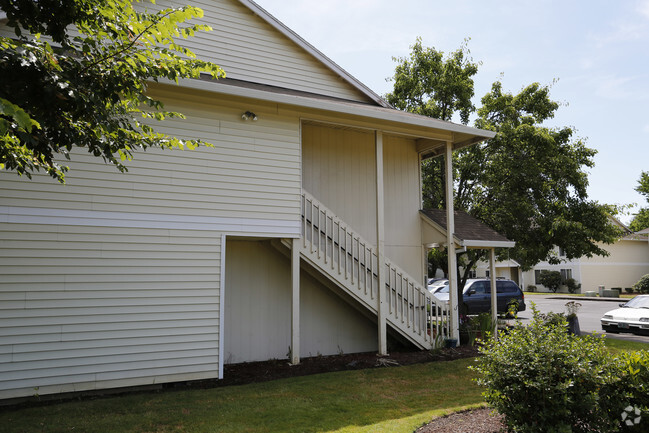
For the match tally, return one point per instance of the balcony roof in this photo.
(469, 232)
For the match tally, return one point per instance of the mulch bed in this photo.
(470, 421)
(253, 372)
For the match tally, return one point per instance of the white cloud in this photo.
(620, 88)
(643, 8)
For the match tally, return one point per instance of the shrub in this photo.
(626, 398)
(544, 380)
(550, 279)
(531, 288)
(572, 285)
(642, 285)
(629, 290)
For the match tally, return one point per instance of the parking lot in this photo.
(589, 314)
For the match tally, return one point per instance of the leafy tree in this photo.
(550, 279)
(527, 183)
(641, 219)
(86, 87)
(426, 83)
(531, 184)
(643, 184)
(430, 84)
(437, 259)
(642, 285)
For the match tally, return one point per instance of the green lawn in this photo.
(373, 400)
(395, 400)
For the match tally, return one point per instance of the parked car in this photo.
(437, 284)
(477, 295)
(632, 316)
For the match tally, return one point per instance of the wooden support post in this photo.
(295, 301)
(450, 242)
(494, 292)
(382, 297)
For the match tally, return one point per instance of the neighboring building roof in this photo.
(282, 28)
(469, 231)
(642, 235)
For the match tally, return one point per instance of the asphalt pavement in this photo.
(589, 314)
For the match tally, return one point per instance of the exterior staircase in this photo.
(350, 262)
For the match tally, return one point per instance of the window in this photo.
(537, 276)
(473, 274)
(565, 274)
(562, 253)
(506, 287)
(487, 273)
(480, 287)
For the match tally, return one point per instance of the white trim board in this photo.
(222, 307)
(250, 226)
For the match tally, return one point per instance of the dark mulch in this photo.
(470, 421)
(252, 372)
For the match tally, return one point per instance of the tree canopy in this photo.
(641, 219)
(528, 182)
(76, 73)
(432, 85)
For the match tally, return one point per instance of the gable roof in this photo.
(286, 31)
(469, 232)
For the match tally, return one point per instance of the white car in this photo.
(435, 286)
(632, 316)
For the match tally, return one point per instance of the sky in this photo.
(593, 53)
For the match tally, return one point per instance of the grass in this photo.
(616, 345)
(372, 400)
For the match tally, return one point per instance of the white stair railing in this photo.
(350, 259)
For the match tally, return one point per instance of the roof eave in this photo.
(489, 244)
(349, 108)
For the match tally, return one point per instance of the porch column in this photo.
(295, 301)
(380, 248)
(494, 293)
(450, 242)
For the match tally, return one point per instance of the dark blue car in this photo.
(477, 295)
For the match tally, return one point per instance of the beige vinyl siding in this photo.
(340, 171)
(250, 49)
(258, 309)
(628, 260)
(95, 307)
(627, 263)
(402, 203)
(252, 173)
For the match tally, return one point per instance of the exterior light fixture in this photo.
(249, 115)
